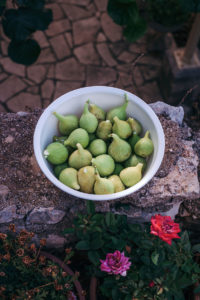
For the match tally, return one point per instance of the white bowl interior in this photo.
(107, 98)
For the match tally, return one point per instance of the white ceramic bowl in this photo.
(107, 98)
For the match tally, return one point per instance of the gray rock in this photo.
(55, 241)
(9, 214)
(175, 114)
(42, 215)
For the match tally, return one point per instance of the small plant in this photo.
(19, 23)
(133, 261)
(25, 273)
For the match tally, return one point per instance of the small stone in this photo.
(34, 165)
(63, 87)
(137, 76)
(23, 101)
(126, 78)
(149, 72)
(44, 215)
(150, 61)
(46, 56)
(4, 190)
(60, 46)
(29, 82)
(76, 2)
(58, 27)
(149, 92)
(101, 37)
(112, 30)
(117, 48)
(106, 55)
(74, 12)
(9, 214)
(10, 87)
(135, 48)
(175, 114)
(9, 139)
(57, 11)
(55, 241)
(40, 37)
(3, 76)
(100, 75)
(69, 69)
(33, 89)
(68, 36)
(101, 4)
(2, 108)
(90, 28)
(86, 54)
(51, 71)
(11, 67)
(36, 73)
(47, 89)
(4, 47)
(45, 103)
(127, 57)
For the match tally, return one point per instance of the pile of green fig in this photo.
(100, 153)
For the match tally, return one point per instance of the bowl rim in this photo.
(91, 89)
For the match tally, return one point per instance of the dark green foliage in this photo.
(2, 6)
(24, 52)
(35, 4)
(170, 268)
(191, 5)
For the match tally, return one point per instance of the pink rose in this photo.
(115, 263)
(151, 284)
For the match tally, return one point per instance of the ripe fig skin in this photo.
(135, 125)
(118, 185)
(104, 164)
(103, 186)
(134, 160)
(56, 153)
(131, 175)
(119, 111)
(58, 169)
(80, 136)
(97, 147)
(80, 158)
(66, 124)
(144, 147)
(68, 177)
(121, 128)
(88, 121)
(98, 112)
(104, 129)
(119, 149)
(86, 179)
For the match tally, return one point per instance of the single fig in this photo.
(119, 111)
(104, 164)
(88, 121)
(132, 175)
(86, 179)
(103, 186)
(68, 176)
(58, 168)
(80, 136)
(118, 185)
(80, 158)
(98, 112)
(134, 160)
(121, 128)
(135, 125)
(56, 153)
(97, 147)
(67, 123)
(104, 129)
(119, 149)
(144, 147)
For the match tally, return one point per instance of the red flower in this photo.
(151, 284)
(165, 228)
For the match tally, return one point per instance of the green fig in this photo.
(92, 137)
(80, 136)
(144, 147)
(88, 121)
(56, 153)
(86, 179)
(118, 185)
(58, 169)
(119, 149)
(121, 128)
(68, 176)
(135, 125)
(119, 111)
(98, 112)
(104, 129)
(134, 160)
(97, 147)
(118, 169)
(103, 186)
(67, 123)
(104, 164)
(133, 139)
(131, 175)
(80, 158)
(59, 139)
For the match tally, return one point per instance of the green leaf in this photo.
(154, 258)
(197, 290)
(196, 248)
(115, 294)
(90, 207)
(122, 14)
(35, 4)
(135, 31)
(190, 5)
(68, 230)
(83, 245)
(24, 52)
(110, 219)
(94, 257)
(96, 243)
